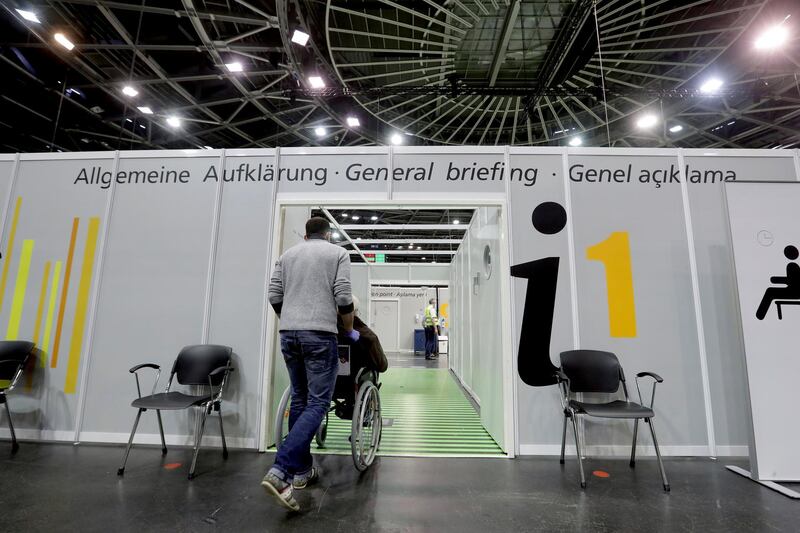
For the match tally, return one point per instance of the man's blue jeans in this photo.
(313, 362)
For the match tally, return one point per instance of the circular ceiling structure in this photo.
(502, 44)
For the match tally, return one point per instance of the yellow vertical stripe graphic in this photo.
(51, 308)
(9, 250)
(37, 328)
(81, 306)
(19, 290)
(64, 292)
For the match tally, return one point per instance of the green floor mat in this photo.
(425, 413)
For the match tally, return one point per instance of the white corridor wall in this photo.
(156, 250)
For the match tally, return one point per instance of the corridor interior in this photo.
(401, 258)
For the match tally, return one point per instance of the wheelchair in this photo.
(356, 397)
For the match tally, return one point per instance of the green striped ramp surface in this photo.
(430, 417)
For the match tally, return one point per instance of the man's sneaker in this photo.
(301, 482)
(281, 490)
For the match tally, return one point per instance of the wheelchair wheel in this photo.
(322, 432)
(366, 426)
(281, 427)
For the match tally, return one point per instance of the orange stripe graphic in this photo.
(9, 250)
(64, 291)
(81, 306)
(37, 328)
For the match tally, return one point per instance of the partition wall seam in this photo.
(212, 252)
(389, 188)
(11, 189)
(698, 308)
(95, 300)
(510, 308)
(264, 341)
(796, 164)
(573, 274)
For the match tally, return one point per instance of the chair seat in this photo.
(169, 401)
(615, 409)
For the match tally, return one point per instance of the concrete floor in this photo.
(51, 487)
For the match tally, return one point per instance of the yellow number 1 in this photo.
(615, 254)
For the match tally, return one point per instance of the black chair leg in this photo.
(121, 470)
(658, 455)
(14, 445)
(222, 433)
(633, 446)
(198, 440)
(563, 439)
(578, 450)
(161, 430)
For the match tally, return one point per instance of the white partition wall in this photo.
(111, 259)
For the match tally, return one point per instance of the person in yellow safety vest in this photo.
(431, 325)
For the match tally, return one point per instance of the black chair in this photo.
(595, 371)
(14, 357)
(204, 365)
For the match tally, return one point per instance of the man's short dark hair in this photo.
(317, 226)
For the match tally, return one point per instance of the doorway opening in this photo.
(412, 266)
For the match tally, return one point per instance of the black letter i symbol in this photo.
(533, 358)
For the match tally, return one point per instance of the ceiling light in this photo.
(316, 82)
(129, 91)
(353, 122)
(336, 235)
(373, 217)
(143, 126)
(29, 16)
(423, 258)
(355, 217)
(234, 67)
(396, 139)
(410, 245)
(358, 238)
(146, 110)
(208, 147)
(575, 141)
(174, 121)
(419, 247)
(771, 39)
(676, 128)
(320, 132)
(344, 215)
(456, 221)
(647, 121)
(711, 86)
(63, 41)
(300, 37)
(399, 247)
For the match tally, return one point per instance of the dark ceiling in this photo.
(489, 72)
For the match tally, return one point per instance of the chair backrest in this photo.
(194, 363)
(18, 351)
(592, 371)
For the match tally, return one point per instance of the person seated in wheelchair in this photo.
(366, 353)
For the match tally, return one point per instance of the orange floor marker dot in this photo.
(172, 466)
(600, 473)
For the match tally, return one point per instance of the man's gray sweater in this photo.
(310, 283)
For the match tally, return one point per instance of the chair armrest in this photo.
(220, 370)
(136, 376)
(224, 370)
(144, 365)
(561, 376)
(17, 374)
(653, 375)
(658, 379)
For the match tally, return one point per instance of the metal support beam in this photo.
(509, 22)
